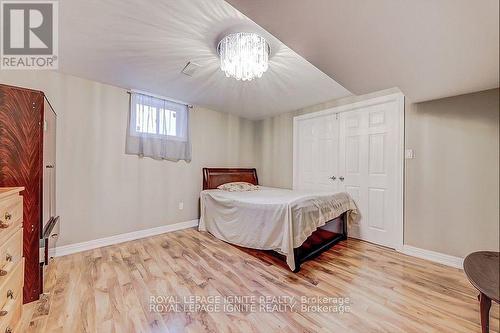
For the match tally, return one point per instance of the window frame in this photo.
(160, 105)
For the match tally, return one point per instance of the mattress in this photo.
(271, 218)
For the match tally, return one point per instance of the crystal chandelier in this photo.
(243, 55)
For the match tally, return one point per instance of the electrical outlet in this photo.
(409, 154)
(181, 205)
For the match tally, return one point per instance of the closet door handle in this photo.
(341, 178)
(333, 178)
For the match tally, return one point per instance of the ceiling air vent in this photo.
(190, 68)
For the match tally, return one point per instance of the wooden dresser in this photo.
(27, 159)
(11, 258)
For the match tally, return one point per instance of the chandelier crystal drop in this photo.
(243, 55)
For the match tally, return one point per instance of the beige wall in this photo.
(452, 185)
(103, 192)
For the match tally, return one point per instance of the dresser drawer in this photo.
(11, 297)
(12, 285)
(11, 216)
(11, 253)
(10, 321)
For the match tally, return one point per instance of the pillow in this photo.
(238, 187)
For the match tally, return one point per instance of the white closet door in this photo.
(369, 166)
(316, 157)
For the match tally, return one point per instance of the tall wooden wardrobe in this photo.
(27, 159)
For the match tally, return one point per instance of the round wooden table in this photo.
(482, 269)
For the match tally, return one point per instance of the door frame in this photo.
(399, 98)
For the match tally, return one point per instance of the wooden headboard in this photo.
(213, 177)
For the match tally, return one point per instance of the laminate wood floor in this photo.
(109, 289)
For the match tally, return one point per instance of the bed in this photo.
(298, 225)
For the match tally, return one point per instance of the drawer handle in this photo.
(4, 225)
(3, 272)
(7, 216)
(3, 313)
(8, 257)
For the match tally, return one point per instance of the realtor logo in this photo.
(29, 35)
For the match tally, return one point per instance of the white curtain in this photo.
(158, 128)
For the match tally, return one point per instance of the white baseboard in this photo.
(96, 243)
(438, 257)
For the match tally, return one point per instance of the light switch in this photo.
(181, 205)
(409, 154)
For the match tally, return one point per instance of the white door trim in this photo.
(400, 99)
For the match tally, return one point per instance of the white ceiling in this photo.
(428, 48)
(144, 45)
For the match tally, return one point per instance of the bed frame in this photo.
(320, 240)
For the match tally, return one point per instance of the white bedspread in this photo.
(270, 218)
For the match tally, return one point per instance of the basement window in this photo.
(158, 128)
(154, 120)
(152, 116)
